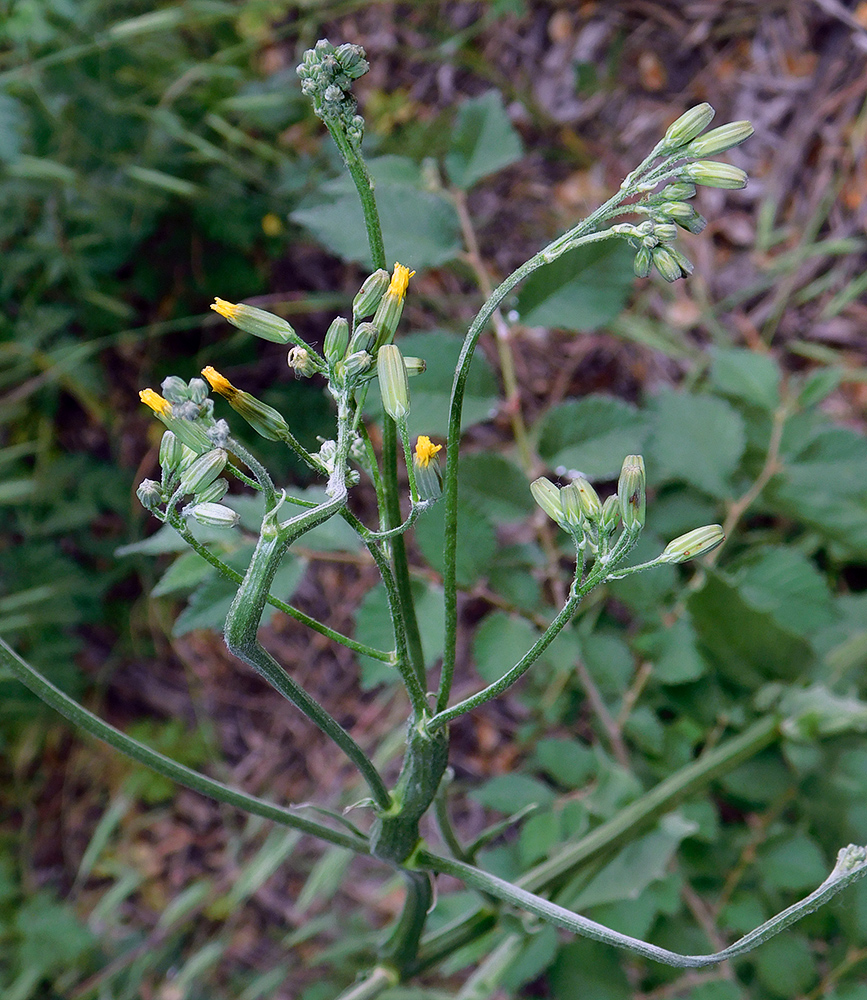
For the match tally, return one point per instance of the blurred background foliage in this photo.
(154, 156)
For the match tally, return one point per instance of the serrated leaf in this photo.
(483, 141)
(581, 290)
(746, 375)
(419, 227)
(698, 439)
(591, 435)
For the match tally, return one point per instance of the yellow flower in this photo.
(224, 308)
(399, 281)
(218, 382)
(425, 450)
(162, 407)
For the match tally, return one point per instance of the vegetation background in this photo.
(153, 156)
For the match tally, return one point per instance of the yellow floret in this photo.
(156, 402)
(217, 381)
(399, 281)
(425, 450)
(224, 308)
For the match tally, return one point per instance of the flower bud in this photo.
(203, 471)
(547, 496)
(631, 491)
(175, 389)
(688, 126)
(641, 264)
(426, 466)
(720, 139)
(666, 263)
(393, 383)
(693, 544)
(216, 491)
(684, 215)
(665, 232)
(364, 338)
(264, 419)
(189, 433)
(215, 515)
(389, 310)
(301, 362)
(679, 191)
(570, 504)
(370, 294)
(336, 340)
(150, 494)
(712, 173)
(171, 452)
(610, 514)
(352, 366)
(258, 322)
(414, 366)
(591, 505)
(198, 391)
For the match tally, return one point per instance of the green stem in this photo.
(581, 235)
(381, 978)
(85, 719)
(402, 946)
(851, 866)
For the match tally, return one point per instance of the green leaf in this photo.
(697, 439)
(184, 574)
(598, 968)
(785, 966)
(795, 863)
(566, 761)
(638, 864)
(747, 645)
(581, 290)
(483, 141)
(12, 125)
(508, 793)
(591, 435)
(746, 375)
(477, 541)
(674, 652)
(501, 640)
(419, 227)
(51, 937)
(608, 660)
(496, 485)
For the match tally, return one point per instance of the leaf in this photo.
(419, 227)
(795, 863)
(477, 541)
(746, 375)
(786, 966)
(674, 653)
(508, 793)
(483, 141)
(698, 439)
(185, 573)
(430, 392)
(643, 861)
(591, 435)
(496, 486)
(566, 761)
(500, 641)
(581, 290)
(12, 125)
(747, 645)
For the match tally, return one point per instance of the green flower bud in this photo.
(642, 262)
(336, 340)
(187, 432)
(591, 505)
(712, 173)
(171, 452)
(301, 362)
(352, 367)
(393, 383)
(547, 496)
(684, 215)
(216, 491)
(683, 262)
(425, 464)
(364, 338)
(370, 294)
(665, 232)
(203, 471)
(720, 139)
(679, 191)
(631, 491)
(414, 366)
(693, 544)
(215, 515)
(198, 391)
(570, 504)
(258, 322)
(610, 514)
(175, 389)
(666, 263)
(150, 494)
(688, 126)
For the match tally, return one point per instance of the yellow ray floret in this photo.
(224, 308)
(217, 381)
(399, 281)
(156, 402)
(425, 450)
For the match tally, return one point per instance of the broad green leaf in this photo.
(598, 968)
(638, 864)
(674, 652)
(747, 645)
(566, 761)
(581, 290)
(477, 541)
(185, 573)
(746, 375)
(51, 937)
(608, 660)
(697, 439)
(496, 486)
(787, 585)
(591, 435)
(647, 591)
(786, 966)
(508, 793)
(501, 640)
(419, 227)
(483, 141)
(795, 863)
(430, 392)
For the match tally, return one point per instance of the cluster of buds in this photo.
(326, 75)
(685, 147)
(577, 508)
